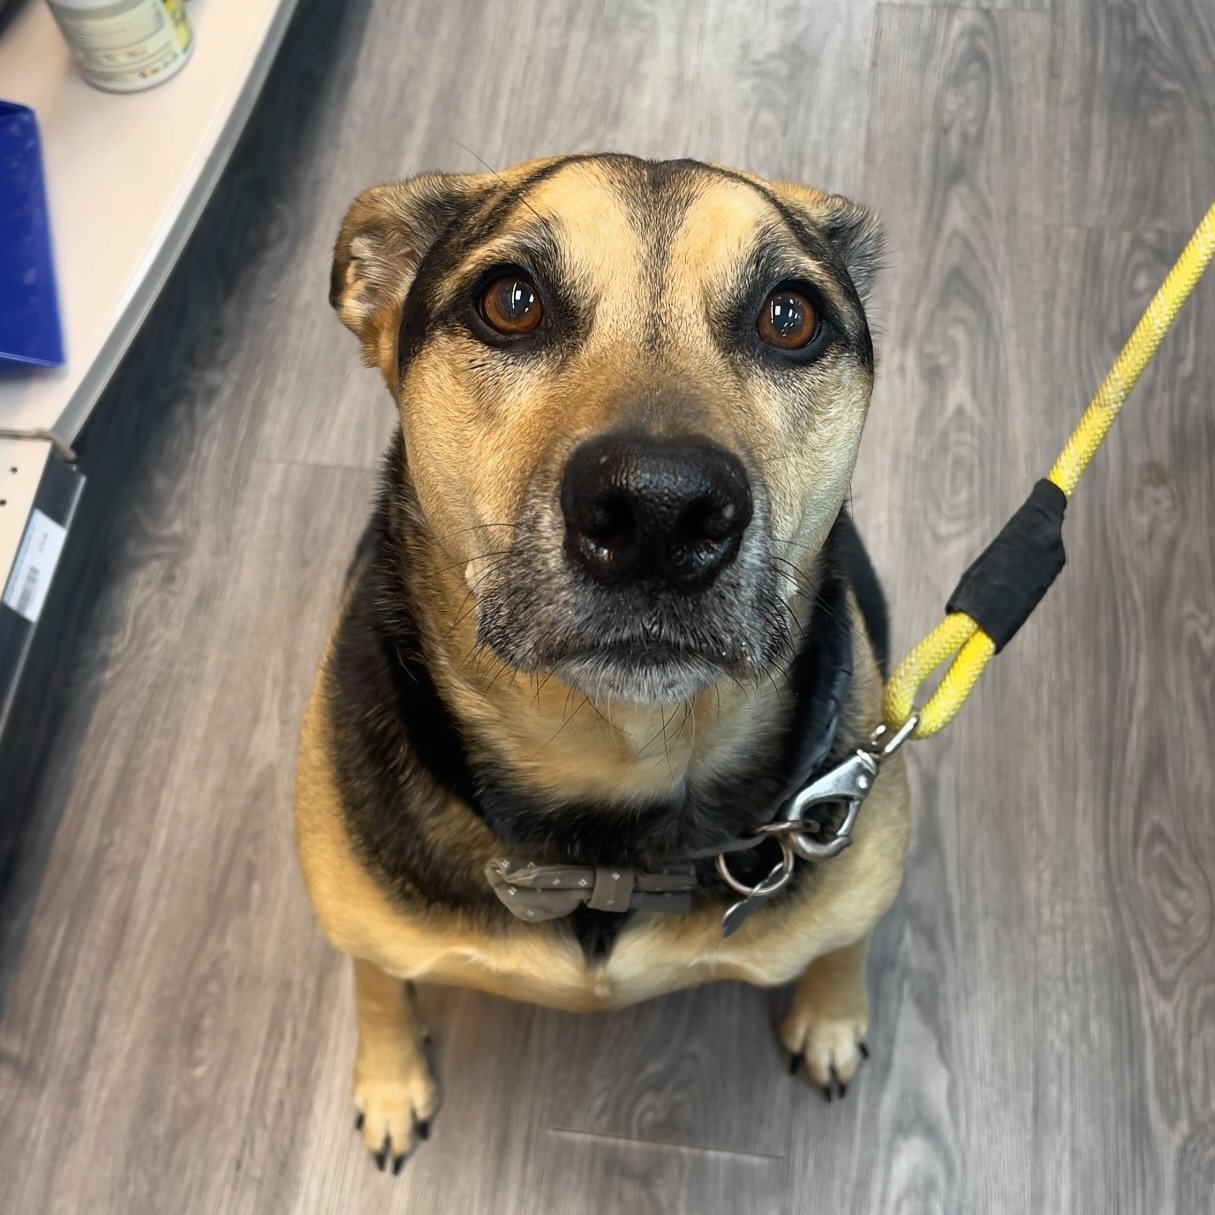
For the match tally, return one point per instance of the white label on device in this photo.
(35, 565)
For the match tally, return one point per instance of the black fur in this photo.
(852, 558)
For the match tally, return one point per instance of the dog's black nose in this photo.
(671, 510)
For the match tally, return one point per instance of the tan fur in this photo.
(824, 933)
(567, 745)
(829, 1020)
(394, 1090)
(659, 954)
(472, 466)
(471, 471)
(477, 438)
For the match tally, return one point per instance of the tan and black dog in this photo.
(610, 613)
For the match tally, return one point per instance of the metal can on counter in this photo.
(125, 45)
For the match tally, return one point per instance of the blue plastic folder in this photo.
(29, 310)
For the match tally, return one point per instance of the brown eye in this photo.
(511, 305)
(787, 319)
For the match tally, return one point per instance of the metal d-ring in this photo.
(776, 879)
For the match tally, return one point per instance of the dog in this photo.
(610, 612)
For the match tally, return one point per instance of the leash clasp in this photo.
(850, 782)
(847, 782)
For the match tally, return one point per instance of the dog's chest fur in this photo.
(544, 964)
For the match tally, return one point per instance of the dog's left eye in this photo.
(787, 320)
(511, 304)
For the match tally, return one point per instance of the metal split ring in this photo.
(776, 879)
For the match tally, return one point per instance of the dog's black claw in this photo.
(863, 1049)
(827, 1093)
(398, 1163)
(381, 1157)
(423, 1129)
(795, 1061)
(840, 1087)
(358, 1122)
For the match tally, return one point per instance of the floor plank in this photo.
(1134, 113)
(1124, 902)
(590, 1173)
(695, 1069)
(951, 449)
(145, 964)
(178, 1036)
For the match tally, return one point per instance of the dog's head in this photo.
(631, 394)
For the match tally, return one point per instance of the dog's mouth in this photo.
(644, 656)
(646, 672)
(638, 646)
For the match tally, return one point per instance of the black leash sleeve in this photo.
(1009, 578)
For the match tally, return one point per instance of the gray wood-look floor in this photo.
(177, 1035)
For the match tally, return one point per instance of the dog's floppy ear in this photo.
(853, 230)
(383, 239)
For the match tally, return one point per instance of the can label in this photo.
(125, 44)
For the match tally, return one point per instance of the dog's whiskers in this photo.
(796, 544)
(495, 555)
(566, 718)
(490, 169)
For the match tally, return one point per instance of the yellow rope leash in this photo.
(958, 637)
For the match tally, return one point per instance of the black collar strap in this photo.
(811, 740)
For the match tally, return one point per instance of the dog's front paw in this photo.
(826, 1027)
(830, 1049)
(394, 1112)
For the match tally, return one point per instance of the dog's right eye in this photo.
(511, 305)
(787, 320)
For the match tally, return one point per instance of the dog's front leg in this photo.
(826, 1027)
(394, 1089)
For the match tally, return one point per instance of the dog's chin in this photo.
(650, 676)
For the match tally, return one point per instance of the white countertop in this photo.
(127, 174)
